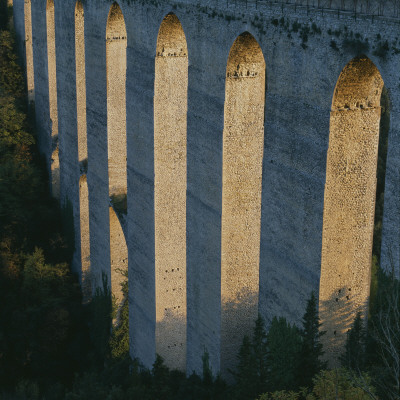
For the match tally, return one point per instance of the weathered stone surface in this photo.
(52, 70)
(84, 239)
(80, 82)
(243, 145)
(116, 101)
(170, 124)
(301, 75)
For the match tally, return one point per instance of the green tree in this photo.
(41, 324)
(284, 345)
(354, 356)
(340, 384)
(246, 373)
(207, 372)
(119, 340)
(89, 386)
(311, 347)
(252, 369)
(11, 76)
(99, 320)
(337, 384)
(383, 346)
(280, 395)
(160, 375)
(260, 349)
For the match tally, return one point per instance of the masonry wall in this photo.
(243, 143)
(300, 79)
(170, 123)
(85, 239)
(349, 201)
(116, 102)
(80, 73)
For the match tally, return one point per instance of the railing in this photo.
(379, 8)
(390, 8)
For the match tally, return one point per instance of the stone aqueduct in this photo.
(224, 155)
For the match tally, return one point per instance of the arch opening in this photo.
(80, 81)
(52, 75)
(116, 42)
(349, 201)
(243, 145)
(85, 238)
(119, 262)
(29, 51)
(170, 126)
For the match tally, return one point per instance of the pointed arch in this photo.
(119, 258)
(80, 80)
(51, 62)
(85, 238)
(243, 144)
(349, 201)
(116, 42)
(29, 50)
(170, 125)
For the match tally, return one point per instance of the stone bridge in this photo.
(226, 151)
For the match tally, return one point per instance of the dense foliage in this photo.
(40, 314)
(284, 358)
(284, 346)
(337, 384)
(381, 350)
(311, 347)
